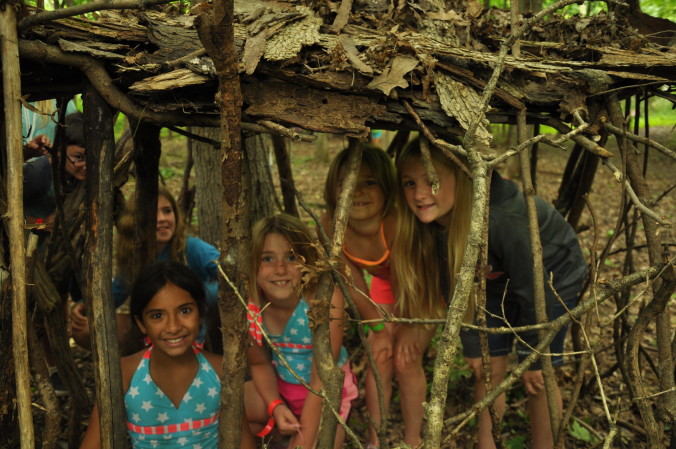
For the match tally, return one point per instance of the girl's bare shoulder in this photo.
(216, 361)
(128, 365)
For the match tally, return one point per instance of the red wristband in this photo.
(271, 422)
(273, 405)
(267, 429)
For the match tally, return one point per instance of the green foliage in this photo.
(167, 172)
(517, 442)
(660, 8)
(579, 432)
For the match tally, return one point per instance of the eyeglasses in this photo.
(77, 159)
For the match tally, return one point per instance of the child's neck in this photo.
(289, 303)
(367, 227)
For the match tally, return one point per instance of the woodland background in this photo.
(610, 230)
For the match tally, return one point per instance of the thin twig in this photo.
(659, 147)
(99, 5)
(286, 132)
(634, 198)
(445, 147)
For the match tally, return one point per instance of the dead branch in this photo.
(183, 59)
(634, 198)
(11, 88)
(445, 147)
(196, 137)
(583, 141)
(98, 5)
(426, 161)
(280, 130)
(537, 267)
(556, 143)
(645, 141)
(338, 280)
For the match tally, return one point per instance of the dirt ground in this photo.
(310, 164)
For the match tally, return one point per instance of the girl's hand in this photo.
(408, 348)
(40, 143)
(78, 320)
(286, 421)
(533, 381)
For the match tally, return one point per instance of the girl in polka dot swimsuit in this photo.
(172, 388)
(280, 244)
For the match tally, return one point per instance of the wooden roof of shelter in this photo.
(348, 70)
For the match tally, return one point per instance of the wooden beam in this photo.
(100, 144)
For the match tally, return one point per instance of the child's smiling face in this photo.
(171, 320)
(418, 192)
(278, 274)
(166, 221)
(368, 200)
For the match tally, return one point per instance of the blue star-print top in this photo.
(154, 422)
(295, 344)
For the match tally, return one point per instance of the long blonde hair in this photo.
(127, 256)
(415, 258)
(300, 240)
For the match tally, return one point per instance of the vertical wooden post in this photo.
(217, 33)
(100, 144)
(538, 271)
(322, 355)
(11, 82)
(285, 175)
(147, 151)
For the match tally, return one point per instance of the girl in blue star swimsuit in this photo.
(172, 388)
(281, 246)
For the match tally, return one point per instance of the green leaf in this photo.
(579, 432)
(518, 442)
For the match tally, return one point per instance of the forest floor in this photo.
(590, 424)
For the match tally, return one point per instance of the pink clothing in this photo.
(381, 291)
(294, 394)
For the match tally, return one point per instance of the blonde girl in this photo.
(366, 248)
(280, 246)
(431, 240)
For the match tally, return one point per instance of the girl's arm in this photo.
(92, 438)
(265, 380)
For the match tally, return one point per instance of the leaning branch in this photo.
(634, 198)
(444, 146)
(645, 141)
(98, 5)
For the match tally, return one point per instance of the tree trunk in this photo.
(216, 31)
(285, 175)
(147, 151)
(100, 143)
(208, 186)
(262, 191)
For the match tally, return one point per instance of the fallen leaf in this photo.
(393, 75)
(474, 8)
